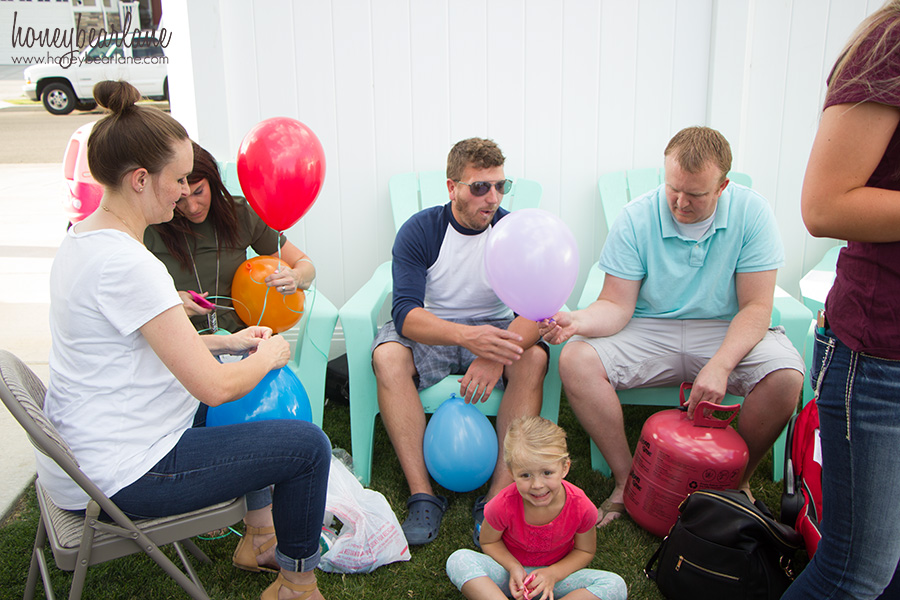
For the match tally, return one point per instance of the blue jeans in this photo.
(859, 415)
(215, 464)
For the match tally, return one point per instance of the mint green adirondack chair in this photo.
(311, 337)
(616, 190)
(410, 193)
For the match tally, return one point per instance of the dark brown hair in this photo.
(476, 152)
(222, 212)
(694, 147)
(130, 137)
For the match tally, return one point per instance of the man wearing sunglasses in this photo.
(690, 278)
(446, 320)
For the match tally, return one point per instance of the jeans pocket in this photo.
(823, 351)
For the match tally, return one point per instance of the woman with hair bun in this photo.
(207, 241)
(128, 372)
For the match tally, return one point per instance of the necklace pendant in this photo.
(213, 321)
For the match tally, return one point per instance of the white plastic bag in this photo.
(371, 536)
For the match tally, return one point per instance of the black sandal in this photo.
(424, 519)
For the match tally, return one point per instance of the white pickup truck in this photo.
(140, 61)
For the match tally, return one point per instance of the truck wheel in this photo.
(59, 99)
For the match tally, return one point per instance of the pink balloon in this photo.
(531, 261)
(281, 167)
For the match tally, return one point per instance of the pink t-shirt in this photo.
(862, 306)
(540, 545)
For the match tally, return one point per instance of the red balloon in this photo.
(281, 167)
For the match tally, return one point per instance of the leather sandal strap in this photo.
(259, 530)
(306, 589)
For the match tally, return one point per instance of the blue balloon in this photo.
(279, 395)
(460, 446)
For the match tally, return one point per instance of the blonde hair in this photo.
(878, 53)
(531, 439)
(694, 147)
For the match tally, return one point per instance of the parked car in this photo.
(140, 61)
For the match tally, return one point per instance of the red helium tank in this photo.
(676, 456)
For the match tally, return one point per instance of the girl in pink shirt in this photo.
(538, 533)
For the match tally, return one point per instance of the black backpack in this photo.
(724, 547)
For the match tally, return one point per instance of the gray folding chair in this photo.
(79, 541)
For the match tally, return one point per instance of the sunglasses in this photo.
(480, 188)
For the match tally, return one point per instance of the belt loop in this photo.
(821, 321)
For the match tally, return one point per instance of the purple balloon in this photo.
(531, 261)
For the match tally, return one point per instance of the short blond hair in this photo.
(694, 147)
(531, 439)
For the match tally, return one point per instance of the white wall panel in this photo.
(543, 97)
(653, 85)
(568, 89)
(579, 166)
(433, 83)
(504, 91)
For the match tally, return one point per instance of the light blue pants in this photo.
(465, 565)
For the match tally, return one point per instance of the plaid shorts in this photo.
(433, 363)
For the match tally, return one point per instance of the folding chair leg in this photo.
(187, 564)
(38, 565)
(152, 550)
(197, 552)
(92, 515)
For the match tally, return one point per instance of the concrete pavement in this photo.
(32, 224)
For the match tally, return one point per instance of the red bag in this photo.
(801, 501)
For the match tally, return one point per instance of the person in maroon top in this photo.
(852, 191)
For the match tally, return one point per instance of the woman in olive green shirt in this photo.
(207, 241)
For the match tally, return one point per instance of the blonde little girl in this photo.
(538, 533)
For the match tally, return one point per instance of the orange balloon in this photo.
(258, 304)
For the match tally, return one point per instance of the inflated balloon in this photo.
(258, 304)
(281, 167)
(279, 395)
(460, 446)
(531, 260)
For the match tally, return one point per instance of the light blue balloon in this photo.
(279, 395)
(460, 446)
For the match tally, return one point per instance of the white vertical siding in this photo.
(569, 90)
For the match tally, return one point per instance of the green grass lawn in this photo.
(622, 547)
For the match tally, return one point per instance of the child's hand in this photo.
(517, 579)
(539, 585)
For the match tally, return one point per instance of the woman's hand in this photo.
(247, 340)
(276, 349)
(286, 281)
(192, 308)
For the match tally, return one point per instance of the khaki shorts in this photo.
(657, 352)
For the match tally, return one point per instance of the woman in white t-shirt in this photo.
(128, 371)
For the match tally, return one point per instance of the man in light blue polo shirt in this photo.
(690, 277)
